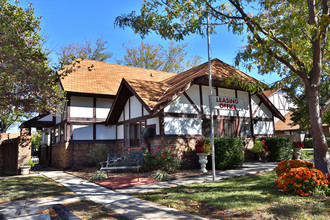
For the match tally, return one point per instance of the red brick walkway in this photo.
(125, 181)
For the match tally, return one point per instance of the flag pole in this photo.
(211, 98)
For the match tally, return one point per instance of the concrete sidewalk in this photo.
(121, 202)
(246, 169)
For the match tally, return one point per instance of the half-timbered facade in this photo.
(127, 107)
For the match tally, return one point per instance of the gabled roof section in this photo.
(155, 95)
(284, 126)
(35, 122)
(270, 92)
(97, 77)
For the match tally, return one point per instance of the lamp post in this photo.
(211, 99)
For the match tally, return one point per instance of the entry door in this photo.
(229, 128)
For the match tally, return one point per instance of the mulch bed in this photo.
(124, 181)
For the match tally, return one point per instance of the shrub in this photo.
(160, 175)
(149, 160)
(303, 181)
(257, 147)
(285, 165)
(280, 148)
(98, 153)
(228, 152)
(308, 142)
(98, 175)
(167, 159)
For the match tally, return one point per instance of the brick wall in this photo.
(1, 158)
(60, 156)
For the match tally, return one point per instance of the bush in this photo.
(160, 175)
(308, 142)
(98, 153)
(228, 152)
(98, 175)
(299, 177)
(280, 148)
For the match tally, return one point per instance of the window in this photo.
(132, 134)
(206, 125)
(229, 128)
(245, 129)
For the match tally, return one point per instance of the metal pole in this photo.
(211, 98)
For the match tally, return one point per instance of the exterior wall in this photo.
(47, 118)
(135, 107)
(82, 132)
(281, 101)
(60, 156)
(103, 107)
(182, 126)
(120, 132)
(180, 105)
(264, 128)
(81, 107)
(105, 132)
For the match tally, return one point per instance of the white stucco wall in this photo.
(230, 93)
(264, 127)
(206, 101)
(245, 111)
(126, 110)
(120, 132)
(103, 107)
(193, 93)
(145, 112)
(136, 107)
(262, 111)
(180, 105)
(185, 126)
(105, 132)
(82, 132)
(154, 121)
(81, 107)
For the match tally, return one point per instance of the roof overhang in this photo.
(36, 123)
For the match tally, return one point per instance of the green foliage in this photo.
(164, 159)
(37, 138)
(280, 148)
(156, 57)
(28, 84)
(308, 142)
(228, 152)
(98, 153)
(98, 175)
(160, 175)
(73, 51)
(29, 163)
(258, 147)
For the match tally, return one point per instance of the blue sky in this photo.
(67, 21)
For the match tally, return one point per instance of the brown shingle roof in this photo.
(105, 78)
(284, 126)
(270, 92)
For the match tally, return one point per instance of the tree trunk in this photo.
(321, 154)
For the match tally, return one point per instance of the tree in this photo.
(27, 83)
(71, 52)
(287, 37)
(156, 57)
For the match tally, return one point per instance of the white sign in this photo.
(228, 103)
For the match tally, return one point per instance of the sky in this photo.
(67, 21)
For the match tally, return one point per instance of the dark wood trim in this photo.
(201, 98)
(129, 107)
(92, 141)
(251, 117)
(142, 112)
(192, 103)
(135, 119)
(181, 115)
(68, 107)
(94, 107)
(161, 123)
(91, 95)
(238, 125)
(79, 119)
(273, 124)
(94, 131)
(265, 119)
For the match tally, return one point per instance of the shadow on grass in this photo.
(30, 187)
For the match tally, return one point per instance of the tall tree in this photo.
(27, 83)
(287, 37)
(68, 54)
(172, 59)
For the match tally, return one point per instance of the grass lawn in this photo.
(90, 210)
(308, 153)
(253, 197)
(30, 187)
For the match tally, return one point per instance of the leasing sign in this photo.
(228, 103)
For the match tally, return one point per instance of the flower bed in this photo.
(301, 178)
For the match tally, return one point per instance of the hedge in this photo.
(228, 153)
(308, 142)
(280, 148)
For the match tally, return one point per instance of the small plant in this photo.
(98, 175)
(258, 147)
(297, 144)
(203, 146)
(29, 163)
(160, 175)
(98, 153)
(167, 159)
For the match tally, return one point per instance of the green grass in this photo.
(307, 153)
(30, 187)
(240, 197)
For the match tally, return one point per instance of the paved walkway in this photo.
(122, 203)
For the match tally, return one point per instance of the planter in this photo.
(203, 161)
(297, 152)
(25, 170)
